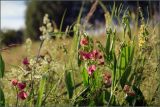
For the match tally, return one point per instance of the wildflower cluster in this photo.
(92, 56)
(128, 91)
(142, 35)
(27, 46)
(46, 28)
(21, 94)
(107, 79)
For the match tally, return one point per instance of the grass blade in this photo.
(2, 67)
(41, 91)
(62, 20)
(69, 83)
(2, 99)
(85, 77)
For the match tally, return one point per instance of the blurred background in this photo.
(22, 19)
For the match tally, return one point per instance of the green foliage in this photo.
(2, 67)
(85, 77)
(69, 82)
(2, 99)
(41, 91)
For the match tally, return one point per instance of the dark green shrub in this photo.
(12, 37)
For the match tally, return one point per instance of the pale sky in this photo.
(12, 14)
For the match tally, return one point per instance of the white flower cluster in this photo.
(28, 45)
(46, 28)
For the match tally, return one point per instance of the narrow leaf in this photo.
(2, 99)
(41, 91)
(85, 77)
(2, 67)
(69, 83)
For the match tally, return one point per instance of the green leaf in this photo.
(114, 101)
(85, 77)
(126, 65)
(114, 70)
(122, 60)
(140, 99)
(2, 99)
(41, 91)
(62, 20)
(97, 79)
(2, 67)
(69, 83)
(108, 42)
(125, 76)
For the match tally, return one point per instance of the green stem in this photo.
(17, 97)
(39, 49)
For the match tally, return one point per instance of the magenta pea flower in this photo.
(107, 79)
(100, 56)
(131, 93)
(95, 54)
(101, 62)
(85, 55)
(126, 88)
(21, 86)
(25, 61)
(22, 95)
(84, 41)
(128, 91)
(14, 82)
(91, 69)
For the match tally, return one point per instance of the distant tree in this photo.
(12, 37)
(37, 9)
(35, 12)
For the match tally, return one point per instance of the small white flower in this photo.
(45, 19)
(32, 62)
(49, 25)
(42, 37)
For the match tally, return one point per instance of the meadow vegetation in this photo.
(116, 68)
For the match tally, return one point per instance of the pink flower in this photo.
(100, 56)
(101, 62)
(84, 41)
(91, 69)
(25, 61)
(128, 91)
(21, 86)
(107, 75)
(22, 95)
(14, 82)
(107, 79)
(131, 93)
(85, 55)
(108, 82)
(126, 88)
(95, 54)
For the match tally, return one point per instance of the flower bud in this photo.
(25, 61)
(126, 88)
(131, 93)
(22, 95)
(91, 69)
(84, 41)
(21, 86)
(14, 82)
